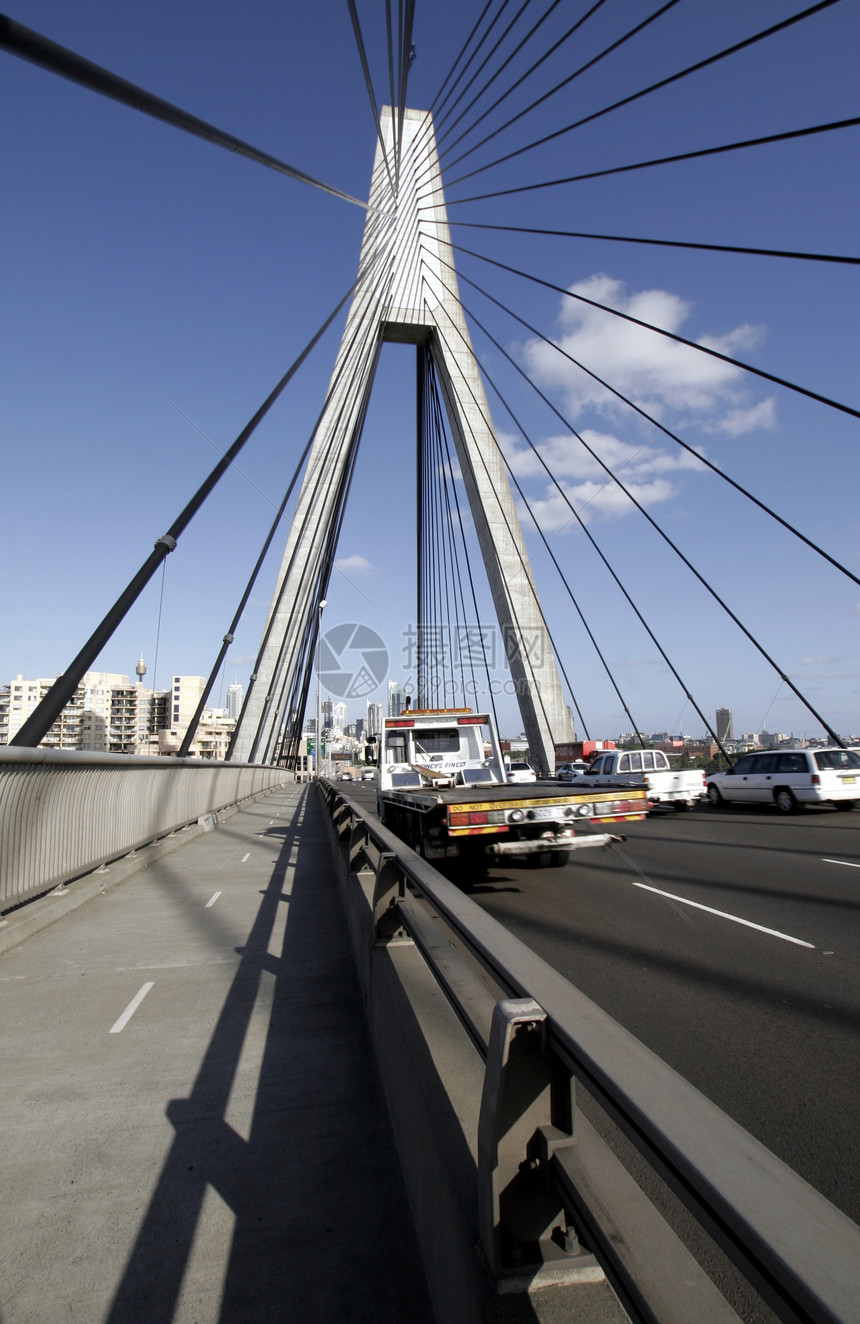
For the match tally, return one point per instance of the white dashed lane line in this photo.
(847, 863)
(212, 900)
(245, 857)
(132, 1007)
(722, 914)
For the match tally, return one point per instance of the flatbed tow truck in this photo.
(443, 789)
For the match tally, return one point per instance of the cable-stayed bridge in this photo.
(469, 510)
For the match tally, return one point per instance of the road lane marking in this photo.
(847, 863)
(212, 900)
(774, 933)
(245, 857)
(132, 1007)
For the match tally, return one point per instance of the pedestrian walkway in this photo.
(194, 1129)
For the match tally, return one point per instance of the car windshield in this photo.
(832, 760)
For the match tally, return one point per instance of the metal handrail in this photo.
(799, 1251)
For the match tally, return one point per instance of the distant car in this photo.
(521, 772)
(346, 777)
(568, 772)
(369, 775)
(790, 779)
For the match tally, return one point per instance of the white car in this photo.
(521, 772)
(790, 779)
(568, 772)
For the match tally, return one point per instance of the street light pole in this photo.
(318, 755)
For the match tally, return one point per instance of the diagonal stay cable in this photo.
(649, 418)
(55, 700)
(662, 243)
(362, 55)
(454, 500)
(585, 530)
(39, 50)
(567, 424)
(460, 54)
(670, 335)
(482, 66)
(601, 55)
(524, 566)
(503, 66)
(786, 135)
(484, 37)
(654, 87)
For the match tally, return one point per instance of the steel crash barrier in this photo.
(553, 1202)
(64, 813)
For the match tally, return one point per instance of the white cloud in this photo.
(658, 374)
(355, 565)
(552, 512)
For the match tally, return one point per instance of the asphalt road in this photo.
(757, 1005)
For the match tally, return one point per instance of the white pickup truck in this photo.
(664, 784)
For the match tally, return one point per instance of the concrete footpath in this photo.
(193, 1125)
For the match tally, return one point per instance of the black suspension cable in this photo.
(327, 560)
(661, 427)
(662, 243)
(468, 564)
(322, 477)
(464, 90)
(653, 87)
(462, 52)
(450, 484)
(446, 569)
(523, 564)
(359, 41)
(593, 542)
(653, 524)
(601, 55)
(514, 53)
(243, 602)
(46, 713)
(39, 50)
(485, 37)
(527, 574)
(381, 224)
(670, 335)
(786, 136)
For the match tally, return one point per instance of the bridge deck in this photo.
(225, 1153)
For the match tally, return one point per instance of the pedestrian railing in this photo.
(64, 813)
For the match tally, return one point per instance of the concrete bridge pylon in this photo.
(407, 292)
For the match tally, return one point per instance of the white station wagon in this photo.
(790, 779)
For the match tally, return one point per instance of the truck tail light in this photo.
(469, 721)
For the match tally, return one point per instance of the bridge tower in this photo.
(406, 292)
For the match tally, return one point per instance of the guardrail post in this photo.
(388, 889)
(527, 1113)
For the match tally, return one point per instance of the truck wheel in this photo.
(541, 859)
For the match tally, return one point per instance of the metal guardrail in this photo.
(64, 813)
(545, 1176)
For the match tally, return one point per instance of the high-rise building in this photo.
(235, 695)
(374, 719)
(338, 713)
(396, 698)
(725, 728)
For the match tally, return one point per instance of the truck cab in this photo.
(441, 748)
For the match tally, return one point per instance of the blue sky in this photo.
(156, 287)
